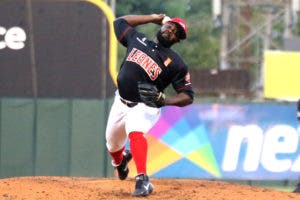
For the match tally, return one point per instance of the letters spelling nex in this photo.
(263, 148)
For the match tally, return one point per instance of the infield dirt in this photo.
(77, 188)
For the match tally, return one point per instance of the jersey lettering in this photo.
(146, 62)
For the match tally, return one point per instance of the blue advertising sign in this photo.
(242, 141)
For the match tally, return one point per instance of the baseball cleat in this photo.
(142, 186)
(122, 169)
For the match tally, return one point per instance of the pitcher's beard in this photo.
(164, 42)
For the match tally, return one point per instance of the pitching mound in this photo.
(65, 188)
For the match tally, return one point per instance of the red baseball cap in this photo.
(182, 25)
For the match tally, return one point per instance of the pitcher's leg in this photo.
(116, 138)
(139, 149)
(138, 122)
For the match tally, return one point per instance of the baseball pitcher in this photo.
(147, 69)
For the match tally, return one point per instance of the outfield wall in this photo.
(56, 49)
(206, 141)
(53, 137)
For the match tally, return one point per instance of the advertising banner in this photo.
(255, 141)
(281, 75)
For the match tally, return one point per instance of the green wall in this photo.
(53, 137)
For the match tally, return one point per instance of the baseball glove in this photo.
(150, 95)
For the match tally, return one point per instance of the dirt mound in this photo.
(67, 188)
